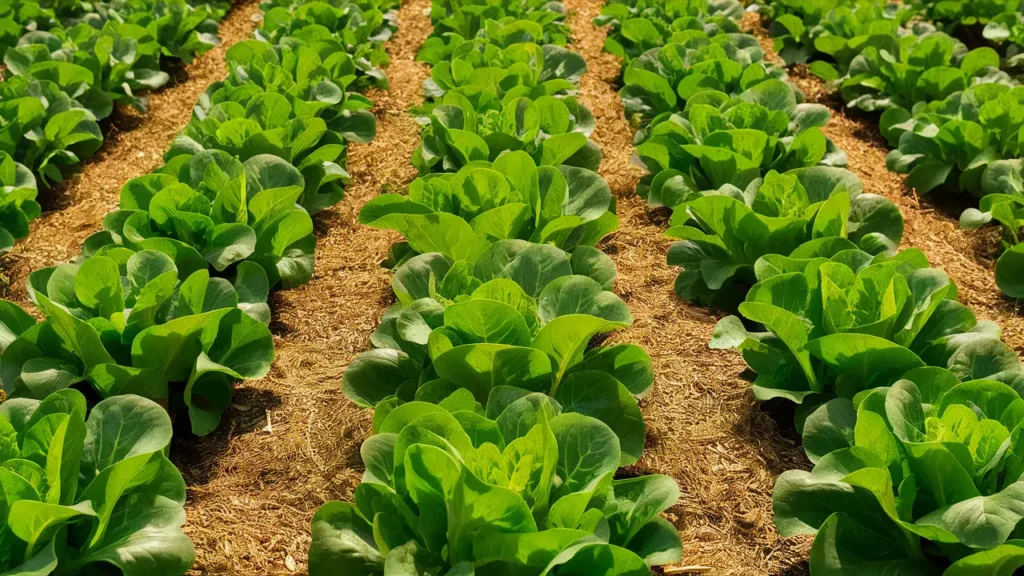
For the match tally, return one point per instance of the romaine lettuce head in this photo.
(513, 199)
(848, 323)
(81, 493)
(638, 26)
(915, 475)
(531, 491)
(497, 333)
(803, 213)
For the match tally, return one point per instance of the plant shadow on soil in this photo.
(197, 457)
(325, 221)
(801, 569)
(56, 198)
(782, 452)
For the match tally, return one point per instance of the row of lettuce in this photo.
(65, 67)
(954, 117)
(167, 306)
(497, 430)
(908, 405)
(998, 21)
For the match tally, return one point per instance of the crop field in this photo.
(511, 287)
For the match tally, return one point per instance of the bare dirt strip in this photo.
(133, 145)
(703, 426)
(291, 441)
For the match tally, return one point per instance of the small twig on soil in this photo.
(688, 570)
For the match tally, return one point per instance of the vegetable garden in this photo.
(464, 286)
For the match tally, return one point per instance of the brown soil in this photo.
(932, 222)
(133, 145)
(291, 441)
(703, 426)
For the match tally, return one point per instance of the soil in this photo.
(291, 441)
(133, 145)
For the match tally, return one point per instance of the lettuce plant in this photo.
(519, 69)
(663, 79)
(138, 323)
(16, 16)
(85, 495)
(17, 200)
(96, 53)
(218, 212)
(957, 138)
(760, 129)
(952, 116)
(354, 29)
(183, 29)
(248, 121)
(522, 318)
(43, 128)
(959, 12)
(837, 326)
(803, 213)
(1008, 27)
(920, 68)
(1009, 265)
(286, 152)
(911, 478)
(463, 213)
(495, 36)
(1003, 203)
(126, 292)
(732, 143)
(118, 60)
(769, 105)
(502, 91)
(514, 487)
(315, 86)
(68, 63)
(829, 35)
(467, 18)
(552, 130)
(1005, 209)
(636, 26)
